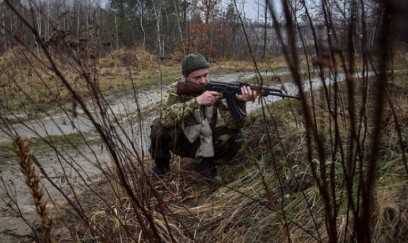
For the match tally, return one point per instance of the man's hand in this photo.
(247, 94)
(208, 98)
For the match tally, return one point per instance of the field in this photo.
(329, 167)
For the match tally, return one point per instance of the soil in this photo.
(16, 198)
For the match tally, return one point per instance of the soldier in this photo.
(189, 125)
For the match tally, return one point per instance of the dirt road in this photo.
(72, 167)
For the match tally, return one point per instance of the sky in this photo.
(254, 9)
(250, 7)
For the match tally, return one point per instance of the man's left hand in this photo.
(247, 94)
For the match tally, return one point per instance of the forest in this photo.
(162, 27)
(218, 29)
(82, 81)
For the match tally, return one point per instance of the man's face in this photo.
(198, 77)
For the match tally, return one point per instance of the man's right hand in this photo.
(208, 98)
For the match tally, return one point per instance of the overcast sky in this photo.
(254, 9)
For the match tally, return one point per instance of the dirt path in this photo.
(69, 167)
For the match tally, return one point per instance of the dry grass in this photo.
(27, 81)
(391, 223)
(268, 193)
(331, 167)
(251, 206)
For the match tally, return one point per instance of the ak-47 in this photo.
(229, 91)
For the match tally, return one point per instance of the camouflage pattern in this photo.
(181, 107)
(167, 136)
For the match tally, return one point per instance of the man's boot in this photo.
(161, 167)
(208, 168)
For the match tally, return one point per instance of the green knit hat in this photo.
(193, 62)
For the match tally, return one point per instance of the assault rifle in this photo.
(229, 91)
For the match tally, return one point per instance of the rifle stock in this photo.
(183, 88)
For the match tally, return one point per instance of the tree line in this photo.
(216, 28)
(162, 27)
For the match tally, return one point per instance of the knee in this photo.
(231, 139)
(156, 135)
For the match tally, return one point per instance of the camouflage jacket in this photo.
(180, 108)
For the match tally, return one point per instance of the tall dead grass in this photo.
(318, 170)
